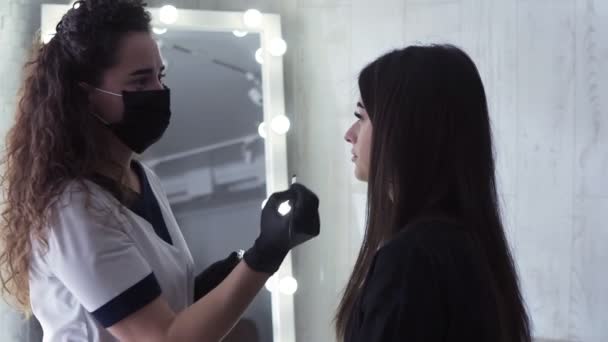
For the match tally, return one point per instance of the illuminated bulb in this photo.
(272, 284)
(262, 130)
(280, 124)
(278, 47)
(159, 30)
(252, 18)
(239, 34)
(288, 286)
(259, 56)
(168, 14)
(284, 208)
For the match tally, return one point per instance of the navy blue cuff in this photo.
(128, 302)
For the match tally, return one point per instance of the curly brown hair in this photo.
(55, 140)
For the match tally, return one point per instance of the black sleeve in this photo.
(402, 300)
(213, 275)
(128, 302)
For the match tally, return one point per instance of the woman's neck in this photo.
(119, 167)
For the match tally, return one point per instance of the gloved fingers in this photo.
(278, 198)
(305, 202)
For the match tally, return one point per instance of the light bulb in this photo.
(280, 124)
(272, 284)
(278, 47)
(239, 34)
(259, 56)
(262, 130)
(252, 18)
(159, 30)
(168, 14)
(288, 286)
(284, 208)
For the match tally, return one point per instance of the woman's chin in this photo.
(360, 175)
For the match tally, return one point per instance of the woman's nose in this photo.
(350, 136)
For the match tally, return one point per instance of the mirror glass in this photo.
(211, 160)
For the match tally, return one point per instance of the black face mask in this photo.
(146, 117)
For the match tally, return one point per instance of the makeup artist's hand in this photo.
(282, 230)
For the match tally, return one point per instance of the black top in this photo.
(146, 205)
(429, 283)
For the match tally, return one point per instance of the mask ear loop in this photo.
(102, 120)
(108, 92)
(98, 117)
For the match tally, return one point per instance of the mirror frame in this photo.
(283, 323)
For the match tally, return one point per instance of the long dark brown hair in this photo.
(55, 139)
(432, 152)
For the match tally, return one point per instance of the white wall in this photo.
(545, 67)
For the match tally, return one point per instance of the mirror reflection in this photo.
(211, 160)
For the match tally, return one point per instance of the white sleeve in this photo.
(91, 253)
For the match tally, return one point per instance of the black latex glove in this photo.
(279, 234)
(213, 275)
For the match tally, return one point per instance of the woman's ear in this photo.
(88, 90)
(85, 86)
